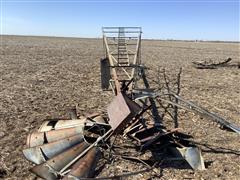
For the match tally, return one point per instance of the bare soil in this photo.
(42, 77)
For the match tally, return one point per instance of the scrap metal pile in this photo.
(71, 149)
(213, 65)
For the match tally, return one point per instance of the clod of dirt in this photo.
(3, 173)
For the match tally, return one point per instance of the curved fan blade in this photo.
(50, 169)
(40, 154)
(85, 167)
(40, 138)
(61, 124)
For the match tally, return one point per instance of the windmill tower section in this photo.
(122, 57)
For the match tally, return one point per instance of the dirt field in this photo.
(43, 77)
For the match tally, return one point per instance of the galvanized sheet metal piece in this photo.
(85, 167)
(120, 110)
(51, 167)
(40, 154)
(61, 124)
(192, 155)
(40, 138)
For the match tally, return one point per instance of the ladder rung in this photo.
(122, 31)
(122, 62)
(123, 44)
(123, 38)
(114, 54)
(123, 58)
(122, 66)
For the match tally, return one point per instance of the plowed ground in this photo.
(42, 77)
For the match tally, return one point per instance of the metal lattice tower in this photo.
(122, 46)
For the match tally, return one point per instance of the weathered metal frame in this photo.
(110, 35)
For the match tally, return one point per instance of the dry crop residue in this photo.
(42, 77)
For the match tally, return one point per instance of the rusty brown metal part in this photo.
(40, 154)
(40, 138)
(85, 167)
(135, 124)
(51, 168)
(121, 110)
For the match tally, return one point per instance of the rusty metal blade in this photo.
(121, 110)
(61, 124)
(50, 169)
(40, 154)
(40, 138)
(85, 167)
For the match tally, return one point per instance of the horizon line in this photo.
(159, 39)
